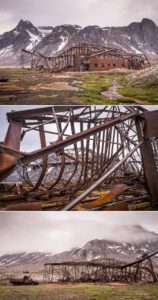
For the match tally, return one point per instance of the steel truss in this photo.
(80, 148)
(141, 270)
(77, 56)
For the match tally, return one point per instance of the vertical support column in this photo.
(12, 140)
(148, 159)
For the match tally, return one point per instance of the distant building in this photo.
(88, 57)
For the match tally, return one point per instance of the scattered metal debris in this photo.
(82, 149)
(141, 270)
(88, 57)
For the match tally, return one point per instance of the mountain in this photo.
(138, 37)
(96, 249)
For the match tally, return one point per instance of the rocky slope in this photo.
(137, 38)
(145, 77)
(146, 242)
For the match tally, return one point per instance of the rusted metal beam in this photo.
(109, 270)
(99, 181)
(12, 141)
(147, 129)
(77, 137)
(85, 143)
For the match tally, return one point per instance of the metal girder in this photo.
(75, 57)
(80, 148)
(107, 270)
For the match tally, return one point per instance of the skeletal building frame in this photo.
(77, 56)
(81, 148)
(109, 270)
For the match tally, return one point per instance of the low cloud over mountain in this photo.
(97, 249)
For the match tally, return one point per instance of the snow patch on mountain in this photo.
(7, 51)
(34, 40)
(138, 37)
(63, 43)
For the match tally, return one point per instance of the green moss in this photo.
(92, 87)
(141, 93)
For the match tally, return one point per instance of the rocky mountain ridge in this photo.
(138, 37)
(94, 250)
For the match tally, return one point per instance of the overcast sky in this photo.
(82, 12)
(29, 144)
(58, 231)
(31, 141)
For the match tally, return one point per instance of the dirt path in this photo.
(112, 93)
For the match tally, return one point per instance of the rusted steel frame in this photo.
(98, 150)
(101, 171)
(113, 159)
(51, 132)
(125, 128)
(99, 112)
(101, 52)
(63, 118)
(100, 180)
(29, 52)
(140, 260)
(148, 161)
(57, 125)
(86, 263)
(112, 140)
(154, 145)
(11, 152)
(67, 123)
(45, 158)
(102, 149)
(83, 112)
(126, 134)
(82, 157)
(8, 160)
(62, 167)
(83, 272)
(106, 141)
(35, 127)
(93, 154)
(90, 112)
(76, 159)
(39, 112)
(109, 142)
(155, 279)
(138, 107)
(87, 155)
(59, 145)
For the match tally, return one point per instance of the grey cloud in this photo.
(31, 140)
(141, 9)
(57, 232)
(89, 12)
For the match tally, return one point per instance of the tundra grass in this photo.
(80, 292)
(141, 93)
(92, 86)
(147, 92)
